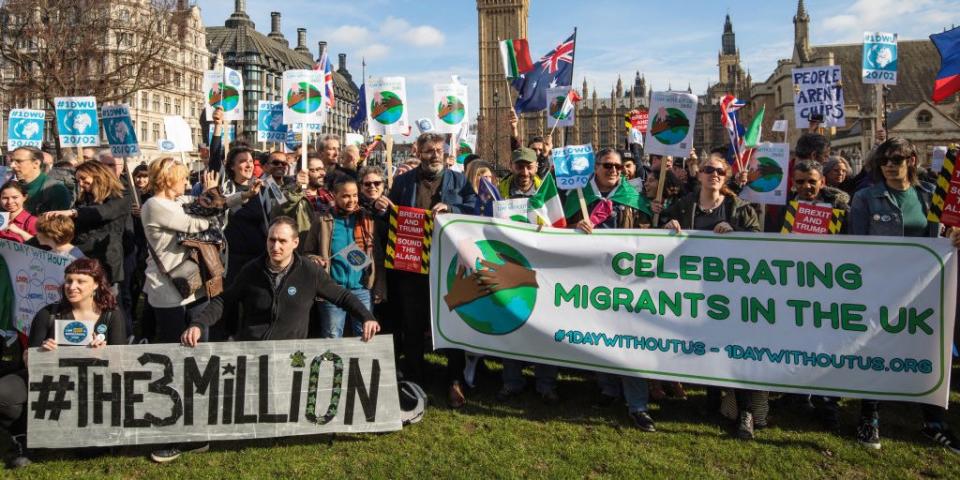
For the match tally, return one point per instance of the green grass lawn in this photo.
(524, 438)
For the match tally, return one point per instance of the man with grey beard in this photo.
(430, 186)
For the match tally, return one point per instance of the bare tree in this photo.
(108, 49)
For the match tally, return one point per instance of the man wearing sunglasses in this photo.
(809, 185)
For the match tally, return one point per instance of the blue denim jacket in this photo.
(874, 212)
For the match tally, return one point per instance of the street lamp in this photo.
(496, 128)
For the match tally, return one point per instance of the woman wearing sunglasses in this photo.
(897, 205)
(714, 207)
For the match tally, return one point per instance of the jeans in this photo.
(634, 390)
(545, 375)
(171, 322)
(333, 318)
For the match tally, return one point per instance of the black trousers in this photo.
(409, 295)
(13, 404)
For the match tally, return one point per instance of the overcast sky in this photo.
(672, 44)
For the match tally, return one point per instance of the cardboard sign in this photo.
(270, 126)
(388, 109)
(408, 240)
(167, 393)
(818, 90)
(451, 108)
(179, 136)
(36, 276)
(224, 89)
(25, 128)
(77, 121)
(573, 166)
(303, 96)
(121, 133)
(515, 209)
(556, 117)
(812, 218)
(779, 126)
(74, 332)
(639, 119)
(880, 58)
(767, 177)
(671, 128)
(945, 205)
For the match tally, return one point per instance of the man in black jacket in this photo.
(277, 291)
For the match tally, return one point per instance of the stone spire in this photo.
(801, 35)
(729, 39)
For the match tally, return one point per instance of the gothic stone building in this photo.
(262, 59)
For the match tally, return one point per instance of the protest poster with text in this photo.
(671, 128)
(224, 89)
(25, 128)
(77, 122)
(270, 126)
(451, 108)
(818, 91)
(880, 58)
(387, 112)
(767, 174)
(573, 166)
(36, 276)
(812, 218)
(167, 393)
(945, 204)
(557, 115)
(408, 239)
(121, 134)
(639, 119)
(516, 209)
(863, 317)
(303, 97)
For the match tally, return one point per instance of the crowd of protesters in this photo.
(161, 254)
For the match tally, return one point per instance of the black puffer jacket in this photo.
(99, 232)
(281, 312)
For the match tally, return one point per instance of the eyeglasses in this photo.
(721, 171)
(611, 166)
(896, 160)
(278, 163)
(372, 184)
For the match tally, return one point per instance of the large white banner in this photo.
(850, 316)
(36, 276)
(142, 394)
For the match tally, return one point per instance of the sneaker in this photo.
(643, 421)
(942, 436)
(550, 397)
(868, 433)
(20, 457)
(745, 426)
(170, 453)
(455, 397)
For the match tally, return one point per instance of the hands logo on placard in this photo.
(304, 98)
(670, 126)
(556, 108)
(450, 110)
(386, 109)
(224, 96)
(499, 296)
(766, 176)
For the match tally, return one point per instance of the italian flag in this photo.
(624, 195)
(515, 54)
(569, 101)
(544, 207)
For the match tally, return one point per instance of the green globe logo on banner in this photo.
(670, 126)
(502, 311)
(450, 110)
(223, 95)
(464, 151)
(387, 109)
(766, 177)
(556, 108)
(304, 98)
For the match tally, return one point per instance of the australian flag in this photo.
(555, 69)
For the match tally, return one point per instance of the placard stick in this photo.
(388, 155)
(79, 154)
(660, 183)
(136, 196)
(583, 204)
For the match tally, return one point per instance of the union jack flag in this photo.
(554, 69)
(326, 67)
(729, 118)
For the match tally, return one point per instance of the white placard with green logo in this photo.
(670, 128)
(387, 109)
(302, 97)
(556, 115)
(223, 89)
(848, 316)
(450, 107)
(767, 174)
